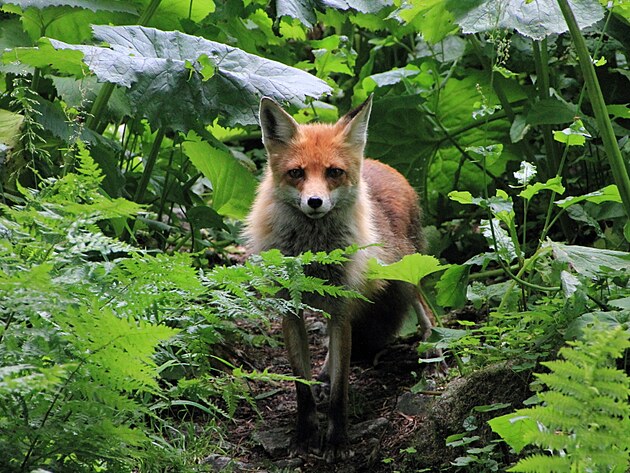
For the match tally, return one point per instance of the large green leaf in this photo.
(304, 10)
(536, 19)
(401, 135)
(451, 288)
(233, 186)
(590, 261)
(432, 18)
(411, 268)
(607, 194)
(94, 5)
(162, 71)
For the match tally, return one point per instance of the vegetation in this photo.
(129, 152)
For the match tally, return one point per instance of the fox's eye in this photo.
(334, 173)
(296, 173)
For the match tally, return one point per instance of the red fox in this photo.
(319, 193)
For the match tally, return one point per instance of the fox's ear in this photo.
(355, 123)
(276, 124)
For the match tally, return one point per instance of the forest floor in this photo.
(384, 414)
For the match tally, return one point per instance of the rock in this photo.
(413, 404)
(445, 414)
(290, 464)
(219, 463)
(275, 442)
(368, 428)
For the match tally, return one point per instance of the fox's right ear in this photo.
(276, 124)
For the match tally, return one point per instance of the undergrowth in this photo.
(107, 349)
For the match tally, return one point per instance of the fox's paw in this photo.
(303, 447)
(306, 440)
(336, 453)
(337, 447)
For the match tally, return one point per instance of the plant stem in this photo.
(98, 107)
(517, 279)
(617, 165)
(148, 166)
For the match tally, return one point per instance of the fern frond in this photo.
(543, 464)
(584, 418)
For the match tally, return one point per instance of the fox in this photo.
(319, 193)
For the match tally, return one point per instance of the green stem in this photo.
(619, 170)
(148, 13)
(490, 273)
(518, 278)
(98, 107)
(148, 166)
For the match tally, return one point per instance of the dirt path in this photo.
(383, 414)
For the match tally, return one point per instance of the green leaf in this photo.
(611, 320)
(607, 194)
(431, 17)
(333, 54)
(451, 288)
(202, 216)
(411, 268)
(152, 65)
(424, 152)
(589, 261)
(10, 124)
(519, 128)
(514, 429)
(504, 246)
(233, 186)
(619, 111)
(304, 10)
(444, 337)
(464, 197)
(526, 173)
(45, 55)
(550, 112)
(575, 135)
(535, 19)
(554, 184)
(94, 5)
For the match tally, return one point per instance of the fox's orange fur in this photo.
(320, 194)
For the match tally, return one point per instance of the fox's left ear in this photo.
(355, 123)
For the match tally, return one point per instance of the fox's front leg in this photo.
(339, 348)
(296, 340)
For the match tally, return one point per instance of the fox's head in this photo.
(315, 167)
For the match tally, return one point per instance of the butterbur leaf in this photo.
(570, 283)
(304, 10)
(94, 5)
(536, 19)
(551, 111)
(170, 79)
(589, 261)
(411, 268)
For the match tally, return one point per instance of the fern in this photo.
(584, 418)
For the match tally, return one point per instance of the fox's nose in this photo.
(315, 202)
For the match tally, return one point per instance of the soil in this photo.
(395, 407)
